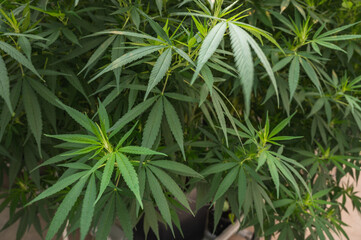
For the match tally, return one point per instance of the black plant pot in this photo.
(192, 226)
(224, 222)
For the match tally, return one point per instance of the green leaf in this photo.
(31, 162)
(159, 6)
(98, 164)
(129, 175)
(294, 75)
(339, 29)
(129, 116)
(280, 126)
(128, 58)
(282, 202)
(117, 51)
(125, 136)
(107, 173)
(274, 173)
(284, 5)
(15, 166)
(282, 63)
(64, 208)
(221, 68)
(156, 27)
(321, 193)
(174, 124)
(266, 126)
(216, 100)
(339, 38)
(208, 77)
(141, 177)
(244, 60)
(74, 81)
(171, 185)
(55, 159)
(209, 46)
(97, 54)
(83, 150)
(33, 113)
(294, 162)
(331, 46)
(70, 36)
(218, 210)
(325, 226)
(5, 116)
(15, 54)
(139, 150)
(319, 30)
(258, 202)
(106, 220)
(328, 111)
(58, 186)
(75, 165)
(159, 198)
(52, 38)
(152, 126)
(242, 186)
(283, 138)
(317, 106)
(125, 33)
(261, 160)
(258, 33)
(219, 167)
(287, 174)
(176, 167)
(181, 97)
(25, 46)
(45, 93)
(124, 217)
(227, 10)
(226, 183)
(203, 7)
(5, 85)
(22, 226)
(135, 16)
(289, 211)
(347, 163)
(263, 60)
(80, 118)
(159, 70)
(76, 138)
(151, 217)
(311, 74)
(184, 55)
(27, 35)
(103, 116)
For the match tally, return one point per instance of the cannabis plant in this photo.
(113, 111)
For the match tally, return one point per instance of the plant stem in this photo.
(165, 84)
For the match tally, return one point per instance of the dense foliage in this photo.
(117, 109)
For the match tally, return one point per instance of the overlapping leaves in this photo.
(107, 161)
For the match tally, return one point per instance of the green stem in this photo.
(165, 84)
